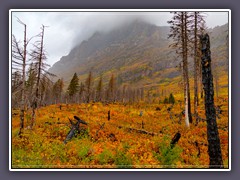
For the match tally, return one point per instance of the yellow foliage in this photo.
(43, 146)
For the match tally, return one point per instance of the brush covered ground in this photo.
(111, 144)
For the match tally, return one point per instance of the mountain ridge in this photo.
(133, 52)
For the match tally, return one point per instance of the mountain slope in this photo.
(137, 53)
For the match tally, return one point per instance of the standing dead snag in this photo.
(38, 56)
(19, 61)
(109, 117)
(214, 148)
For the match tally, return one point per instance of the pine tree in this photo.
(171, 99)
(73, 86)
(165, 101)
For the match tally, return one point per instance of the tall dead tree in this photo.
(81, 93)
(99, 90)
(214, 148)
(179, 32)
(39, 57)
(202, 29)
(197, 25)
(195, 64)
(57, 91)
(111, 89)
(30, 83)
(19, 61)
(88, 87)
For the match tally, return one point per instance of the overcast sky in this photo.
(66, 29)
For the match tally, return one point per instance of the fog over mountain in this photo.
(68, 29)
(136, 52)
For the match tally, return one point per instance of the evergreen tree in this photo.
(165, 100)
(171, 99)
(73, 86)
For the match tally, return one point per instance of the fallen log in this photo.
(79, 120)
(140, 131)
(74, 129)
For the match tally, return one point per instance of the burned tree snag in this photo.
(175, 139)
(109, 117)
(142, 124)
(214, 148)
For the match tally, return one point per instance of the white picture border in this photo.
(116, 10)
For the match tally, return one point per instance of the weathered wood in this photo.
(141, 131)
(80, 120)
(74, 129)
(175, 139)
(214, 148)
(198, 148)
(109, 117)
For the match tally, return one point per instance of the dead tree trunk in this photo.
(109, 117)
(195, 66)
(23, 79)
(214, 148)
(36, 98)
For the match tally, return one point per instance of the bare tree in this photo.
(19, 62)
(111, 89)
(179, 32)
(38, 56)
(197, 25)
(81, 93)
(99, 90)
(88, 86)
(58, 90)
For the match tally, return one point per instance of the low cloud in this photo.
(68, 29)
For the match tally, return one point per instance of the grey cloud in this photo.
(67, 29)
